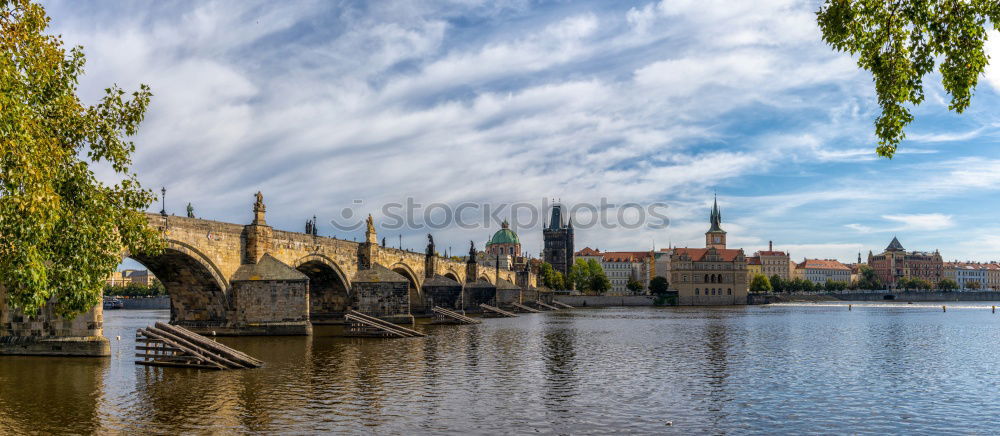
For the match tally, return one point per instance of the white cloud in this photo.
(927, 221)
(992, 48)
(859, 227)
(319, 104)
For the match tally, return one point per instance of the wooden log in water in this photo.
(227, 352)
(185, 348)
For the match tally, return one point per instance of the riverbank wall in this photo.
(151, 303)
(605, 300)
(906, 296)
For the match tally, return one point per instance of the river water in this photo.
(812, 368)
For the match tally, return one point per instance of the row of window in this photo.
(707, 278)
(713, 291)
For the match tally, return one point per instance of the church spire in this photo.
(715, 237)
(716, 216)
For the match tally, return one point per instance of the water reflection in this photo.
(39, 397)
(778, 369)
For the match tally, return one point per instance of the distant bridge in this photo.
(253, 279)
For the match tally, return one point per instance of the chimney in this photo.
(770, 245)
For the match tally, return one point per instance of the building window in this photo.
(696, 291)
(729, 291)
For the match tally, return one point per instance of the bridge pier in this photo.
(269, 298)
(50, 335)
(382, 293)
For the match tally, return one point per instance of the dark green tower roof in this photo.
(504, 236)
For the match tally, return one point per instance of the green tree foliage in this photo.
(659, 285)
(910, 283)
(972, 284)
(551, 278)
(579, 275)
(760, 284)
(867, 279)
(778, 284)
(61, 230)
(589, 277)
(136, 290)
(560, 281)
(899, 43)
(634, 286)
(834, 286)
(947, 285)
(806, 285)
(599, 284)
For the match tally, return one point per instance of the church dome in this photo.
(504, 236)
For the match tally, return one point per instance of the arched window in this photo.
(696, 291)
(729, 291)
(511, 250)
(706, 278)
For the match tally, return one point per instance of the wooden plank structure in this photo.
(495, 312)
(518, 307)
(445, 316)
(544, 306)
(361, 325)
(173, 346)
(562, 305)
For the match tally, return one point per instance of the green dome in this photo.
(504, 236)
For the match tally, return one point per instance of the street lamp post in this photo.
(163, 199)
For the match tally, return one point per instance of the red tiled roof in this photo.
(969, 265)
(625, 256)
(822, 264)
(696, 254)
(587, 251)
(771, 253)
(618, 257)
(755, 260)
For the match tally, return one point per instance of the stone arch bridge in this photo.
(255, 280)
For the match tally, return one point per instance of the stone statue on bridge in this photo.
(311, 227)
(258, 210)
(370, 235)
(430, 245)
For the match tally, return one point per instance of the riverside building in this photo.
(714, 275)
(895, 263)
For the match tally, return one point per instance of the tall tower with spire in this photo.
(558, 236)
(715, 237)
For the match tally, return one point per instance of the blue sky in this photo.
(318, 104)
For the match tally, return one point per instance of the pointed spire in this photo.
(716, 216)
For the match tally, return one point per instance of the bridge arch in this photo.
(452, 275)
(415, 293)
(329, 288)
(486, 279)
(199, 293)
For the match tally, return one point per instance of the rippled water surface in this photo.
(879, 368)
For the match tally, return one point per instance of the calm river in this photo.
(812, 368)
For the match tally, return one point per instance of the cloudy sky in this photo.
(331, 105)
